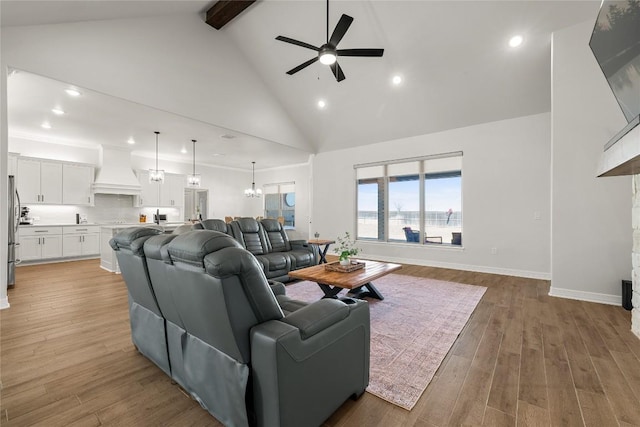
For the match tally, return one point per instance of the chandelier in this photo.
(253, 191)
(193, 180)
(156, 175)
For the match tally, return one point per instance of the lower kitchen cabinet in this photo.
(40, 243)
(80, 241)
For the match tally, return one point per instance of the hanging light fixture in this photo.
(253, 191)
(193, 180)
(156, 175)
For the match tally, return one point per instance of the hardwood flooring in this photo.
(524, 358)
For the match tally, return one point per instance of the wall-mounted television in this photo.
(615, 42)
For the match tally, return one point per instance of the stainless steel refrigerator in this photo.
(14, 221)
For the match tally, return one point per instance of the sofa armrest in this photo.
(317, 316)
(299, 243)
(300, 381)
(277, 287)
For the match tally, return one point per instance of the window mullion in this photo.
(423, 230)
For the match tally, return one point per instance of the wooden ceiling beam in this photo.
(224, 11)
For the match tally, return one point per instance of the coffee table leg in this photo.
(323, 254)
(366, 290)
(329, 292)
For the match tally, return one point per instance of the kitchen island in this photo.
(108, 260)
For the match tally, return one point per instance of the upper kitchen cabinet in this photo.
(76, 184)
(168, 194)
(172, 191)
(12, 164)
(39, 181)
(148, 191)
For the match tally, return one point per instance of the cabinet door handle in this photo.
(88, 199)
(43, 240)
(42, 231)
(43, 197)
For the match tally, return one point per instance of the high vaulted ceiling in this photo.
(453, 57)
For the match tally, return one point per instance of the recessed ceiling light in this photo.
(183, 151)
(396, 80)
(322, 104)
(57, 111)
(46, 125)
(227, 136)
(131, 141)
(516, 41)
(72, 92)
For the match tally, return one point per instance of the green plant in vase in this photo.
(346, 248)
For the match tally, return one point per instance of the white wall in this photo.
(505, 178)
(142, 60)
(592, 235)
(4, 236)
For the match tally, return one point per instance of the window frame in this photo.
(422, 214)
(281, 198)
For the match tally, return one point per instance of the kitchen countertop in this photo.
(58, 225)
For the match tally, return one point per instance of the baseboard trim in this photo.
(585, 296)
(4, 303)
(466, 267)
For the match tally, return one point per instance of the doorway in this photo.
(195, 204)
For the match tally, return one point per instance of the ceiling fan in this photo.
(328, 53)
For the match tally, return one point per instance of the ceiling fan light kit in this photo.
(328, 53)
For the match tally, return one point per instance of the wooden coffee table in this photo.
(358, 282)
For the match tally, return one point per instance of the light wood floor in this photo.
(524, 358)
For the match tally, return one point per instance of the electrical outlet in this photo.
(494, 251)
(536, 215)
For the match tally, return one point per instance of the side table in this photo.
(322, 252)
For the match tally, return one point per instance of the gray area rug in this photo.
(412, 330)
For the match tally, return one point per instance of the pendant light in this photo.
(253, 192)
(193, 180)
(156, 175)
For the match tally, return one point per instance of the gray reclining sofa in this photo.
(230, 344)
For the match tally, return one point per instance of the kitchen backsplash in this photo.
(108, 209)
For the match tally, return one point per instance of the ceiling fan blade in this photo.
(341, 28)
(337, 71)
(297, 43)
(301, 66)
(360, 52)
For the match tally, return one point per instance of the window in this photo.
(417, 201)
(280, 202)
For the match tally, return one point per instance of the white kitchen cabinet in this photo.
(80, 241)
(76, 184)
(12, 164)
(172, 191)
(39, 181)
(39, 243)
(149, 190)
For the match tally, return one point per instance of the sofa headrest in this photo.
(215, 225)
(133, 238)
(183, 228)
(271, 225)
(193, 246)
(248, 225)
(236, 261)
(153, 246)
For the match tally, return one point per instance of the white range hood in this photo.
(115, 175)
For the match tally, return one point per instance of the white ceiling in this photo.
(457, 70)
